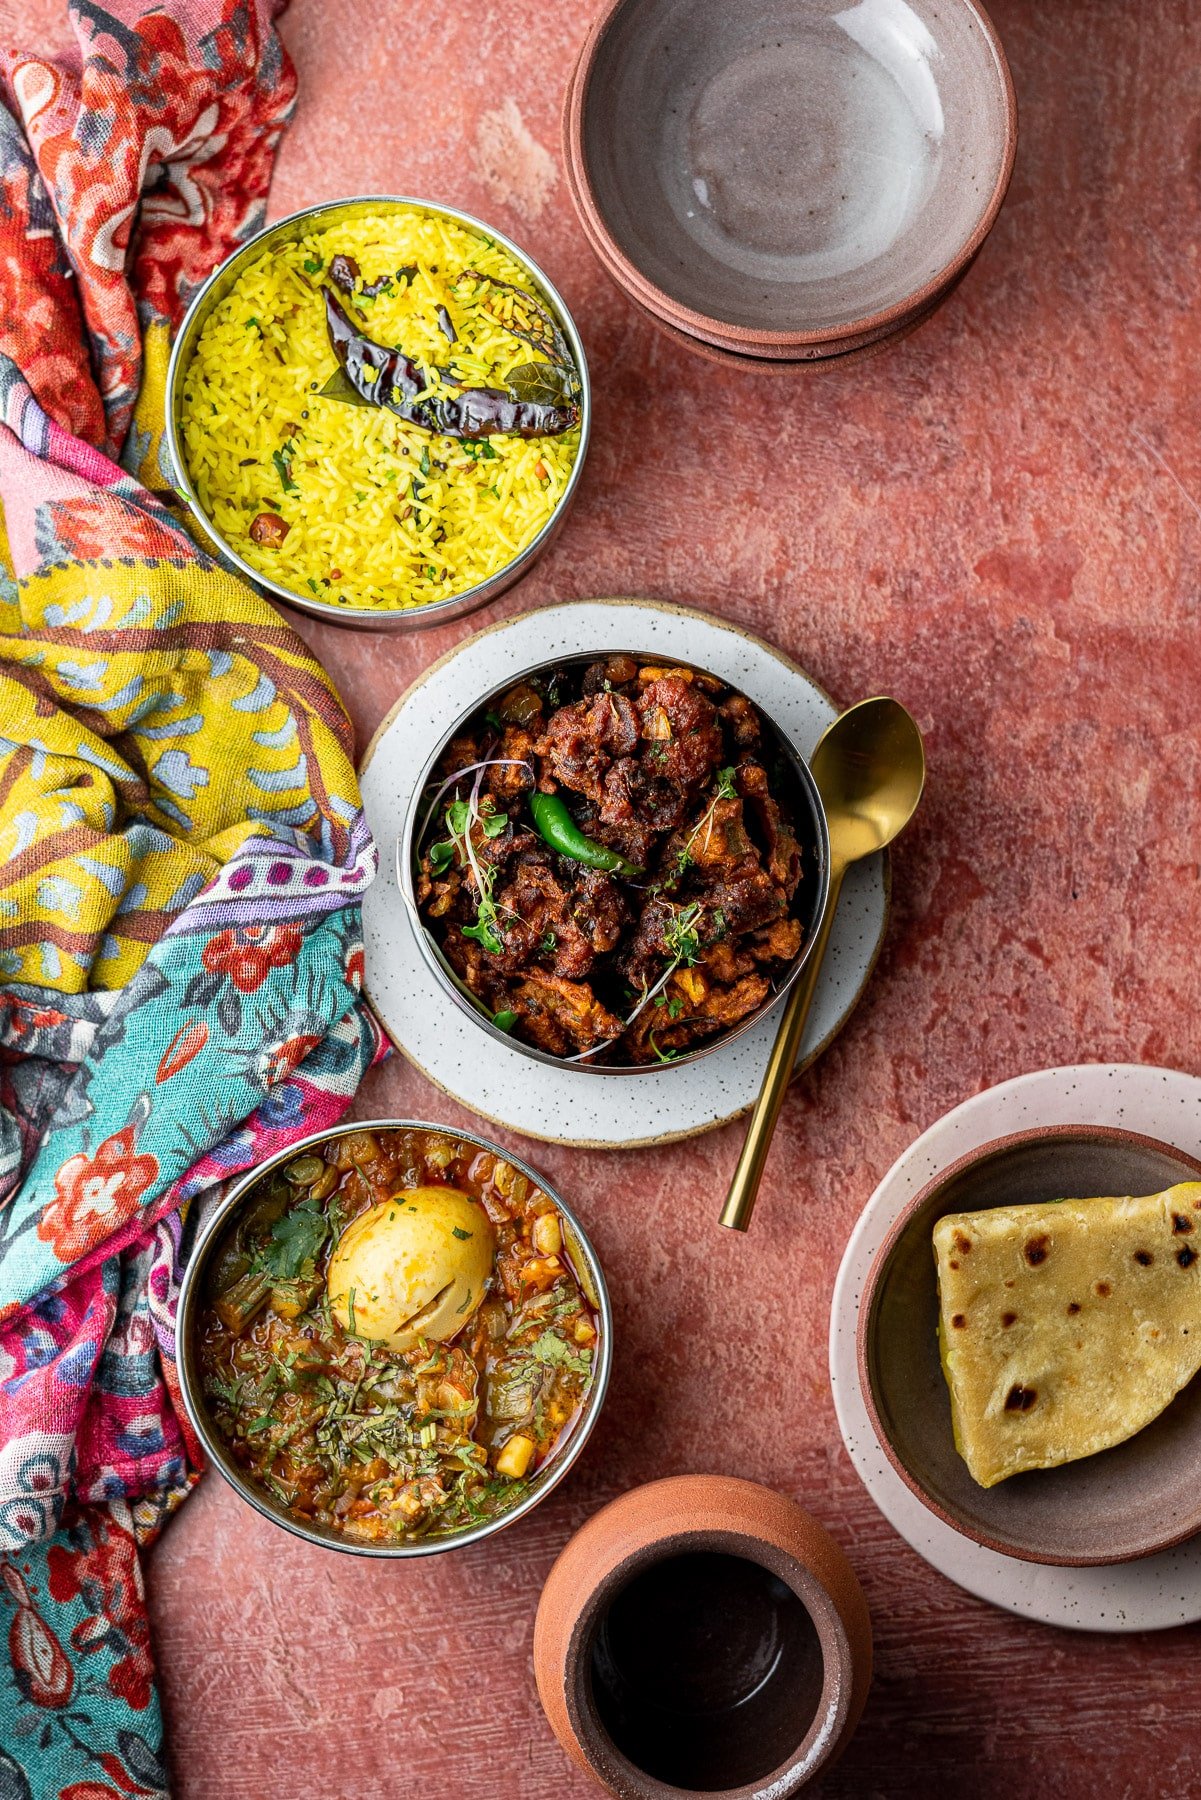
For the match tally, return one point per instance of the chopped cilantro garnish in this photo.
(282, 458)
(296, 1237)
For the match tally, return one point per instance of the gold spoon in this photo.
(870, 769)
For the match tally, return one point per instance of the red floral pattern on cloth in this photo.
(154, 154)
(105, 1578)
(248, 953)
(95, 1195)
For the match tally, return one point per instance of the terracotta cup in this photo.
(703, 1635)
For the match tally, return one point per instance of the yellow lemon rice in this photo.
(379, 512)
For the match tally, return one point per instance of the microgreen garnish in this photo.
(460, 819)
(680, 934)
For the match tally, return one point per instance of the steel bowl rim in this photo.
(558, 1465)
(404, 877)
(380, 618)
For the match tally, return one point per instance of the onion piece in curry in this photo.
(381, 1444)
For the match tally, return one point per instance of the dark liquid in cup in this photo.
(706, 1671)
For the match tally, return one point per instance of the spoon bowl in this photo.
(870, 769)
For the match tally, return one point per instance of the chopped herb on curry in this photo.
(354, 1399)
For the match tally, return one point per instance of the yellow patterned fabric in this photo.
(155, 716)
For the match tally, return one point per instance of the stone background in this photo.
(1000, 522)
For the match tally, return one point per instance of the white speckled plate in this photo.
(1149, 1595)
(571, 1106)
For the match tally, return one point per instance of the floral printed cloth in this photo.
(182, 852)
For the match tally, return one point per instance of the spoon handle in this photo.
(740, 1201)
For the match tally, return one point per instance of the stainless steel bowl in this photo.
(814, 891)
(191, 1300)
(215, 289)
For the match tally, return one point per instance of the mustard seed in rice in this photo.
(367, 510)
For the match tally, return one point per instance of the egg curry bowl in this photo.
(393, 1338)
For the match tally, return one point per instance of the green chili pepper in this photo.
(561, 832)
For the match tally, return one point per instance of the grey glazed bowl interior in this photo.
(286, 231)
(1122, 1503)
(795, 167)
(191, 1303)
(812, 893)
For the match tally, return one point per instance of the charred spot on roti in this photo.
(1103, 1289)
(954, 1264)
(1037, 1249)
(959, 1321)
(1020, 1399)
(1073, 1308)
(1144, 1258)
(1008, 1319)
(962, 1244)
(1186, 1255)
(1181, 1223)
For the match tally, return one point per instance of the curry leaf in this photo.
(544, 382)
(340, 387)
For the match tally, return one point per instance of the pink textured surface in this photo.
(997, 521)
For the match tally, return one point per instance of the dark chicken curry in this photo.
(609, 864)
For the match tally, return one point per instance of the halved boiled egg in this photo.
(413, 1266)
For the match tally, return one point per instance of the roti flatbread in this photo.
(1066, 1327)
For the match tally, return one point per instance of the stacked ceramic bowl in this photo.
(786, 183)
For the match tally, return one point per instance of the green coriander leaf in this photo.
(441, 856)
(296, 1237)
(283, 467)
(504, 1021)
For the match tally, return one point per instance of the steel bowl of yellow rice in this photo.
(378, 410)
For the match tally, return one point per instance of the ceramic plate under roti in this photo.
(566, 1105)
(1149, 1594)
